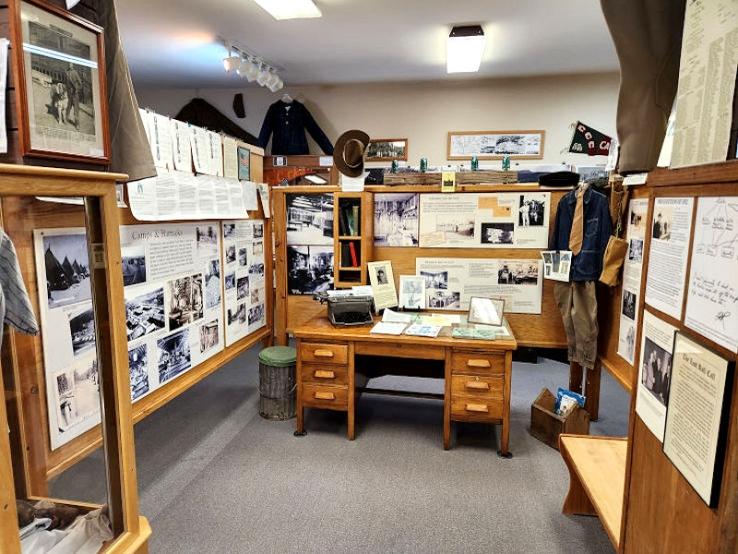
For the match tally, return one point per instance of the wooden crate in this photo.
(462, 178)
(546, 425)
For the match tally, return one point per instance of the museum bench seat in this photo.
(597, 479)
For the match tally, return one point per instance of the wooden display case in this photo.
(17, 463)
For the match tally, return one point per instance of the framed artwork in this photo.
(244, 164)
(487, 311)
(387, 150)
(412, 292)
(62, 99)
(493, 145)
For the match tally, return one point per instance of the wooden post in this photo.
(592, 403)
(576, 374)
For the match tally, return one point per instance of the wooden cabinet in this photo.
(353, 223)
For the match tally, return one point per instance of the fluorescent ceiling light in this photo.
(317, 179)
(464, 49)
(290, 9)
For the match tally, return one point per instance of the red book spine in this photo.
(354, 259)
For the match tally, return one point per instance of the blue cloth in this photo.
(286, 124)
(587, 265)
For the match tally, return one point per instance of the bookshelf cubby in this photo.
(352, 232)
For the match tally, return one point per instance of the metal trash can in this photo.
(277, 383)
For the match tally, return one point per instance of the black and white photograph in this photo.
(629, 304)
(212, 284)
(520, 273)
(662, 224)
(497, 233)
(635, 250)
(206, 238)
(185, 301)
(67, 269)
(386, 150)
(460, 226)
(230, 254)
(82, 329)
(208, 335)
(174, 355)
(138, 362)
(145, 314)
(412, 292)
(77, 393)
(230, 281)
(435, 279)
(257, 296)
(229, 230)
(445, 299)
(257, 248)
(531, 211)
(656, 373)
(243, 256)
(242, 287)
(396, 219)
(310, 219)
(134, 264)
(62, 84)
(491, 145)
(256, 314)
(256, 271)
(258, 230)
(310, 269)
(238, 315)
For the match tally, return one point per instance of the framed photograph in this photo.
(697, 415)
(493, 145)
(487, 311)
(62, 100)
(412, 292)
(382, 282)
(244, 164)
(387, 150)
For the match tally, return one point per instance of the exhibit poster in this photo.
(451, 282)
(632, 278)
(309, 243)
(382, 281)
(244, 270)
(504, 220)
(695, 414)
(712, 294)
(654, 374)
(671, 229)
(68, 333)
(173, 293)
(396, 219)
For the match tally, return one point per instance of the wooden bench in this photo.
(597, 479)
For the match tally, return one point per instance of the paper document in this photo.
(385, 328)
(250, 193)
(181, 134)
(263, 189)
(420, 330)
(230, 158)
(391, 316)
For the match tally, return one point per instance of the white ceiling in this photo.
(177, 43)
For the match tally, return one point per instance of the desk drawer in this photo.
(470, 408)
(325, 396)
(477, 363)
(488, 388)
(323, 353)
(323, 374)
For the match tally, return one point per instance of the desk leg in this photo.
(447, 401)
(505, 438)
(300, 411)
(351, 431)
(592, 391)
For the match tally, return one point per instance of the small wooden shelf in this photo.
(347, 237)
(354, 213)
(349, 269)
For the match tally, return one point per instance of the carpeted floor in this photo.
(215, 477)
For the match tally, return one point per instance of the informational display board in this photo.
(244, 270)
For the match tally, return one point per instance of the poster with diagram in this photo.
(172, 289)
(451, 282)
(68, 333)
(504, 220)
(244, 278)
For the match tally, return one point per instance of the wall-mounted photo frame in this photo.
(62, 99)
(244, 164)
(387, 150)
(487, 311)
(493, 145)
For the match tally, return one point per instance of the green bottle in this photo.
(393, 169)
(423, 165)
(505, 163)
(475, 163)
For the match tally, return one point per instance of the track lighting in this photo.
(251, 67)
(263, 75)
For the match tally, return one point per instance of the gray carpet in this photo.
(215, 477)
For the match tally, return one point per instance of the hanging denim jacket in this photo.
(587, 265)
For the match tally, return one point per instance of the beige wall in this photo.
(425, 112)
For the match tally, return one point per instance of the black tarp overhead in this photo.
(203, 114)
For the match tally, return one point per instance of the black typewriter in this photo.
(347, 310)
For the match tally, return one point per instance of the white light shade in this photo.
(272, 80)
(277, 85)
(249, 70)
(464, 51)
(290, 9)
(231, 62)
(263, 76)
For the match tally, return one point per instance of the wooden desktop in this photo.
(477, 373)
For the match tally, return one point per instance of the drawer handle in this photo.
(320, 395)
(479, 408)
(478, 363)
(477, 385)
(323, 353)
(324, 374)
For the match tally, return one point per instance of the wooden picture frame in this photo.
(486, 311)
(244, 163)
(494, 145)
(73, 81)
(380, 150)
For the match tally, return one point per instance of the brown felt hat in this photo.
(348, 154)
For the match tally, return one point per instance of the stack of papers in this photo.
(419, 330)
(388, 328)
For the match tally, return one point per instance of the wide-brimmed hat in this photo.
(348, 154)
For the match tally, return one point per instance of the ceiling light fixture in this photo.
(464, 49)
(290, 9)
(251, 67)
(263, 75)
(232, 61)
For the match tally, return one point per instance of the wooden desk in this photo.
(477, 373)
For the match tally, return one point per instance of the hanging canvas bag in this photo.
(617, 248)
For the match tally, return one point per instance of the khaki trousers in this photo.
(577, 303)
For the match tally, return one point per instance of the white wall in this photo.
(424, 112)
